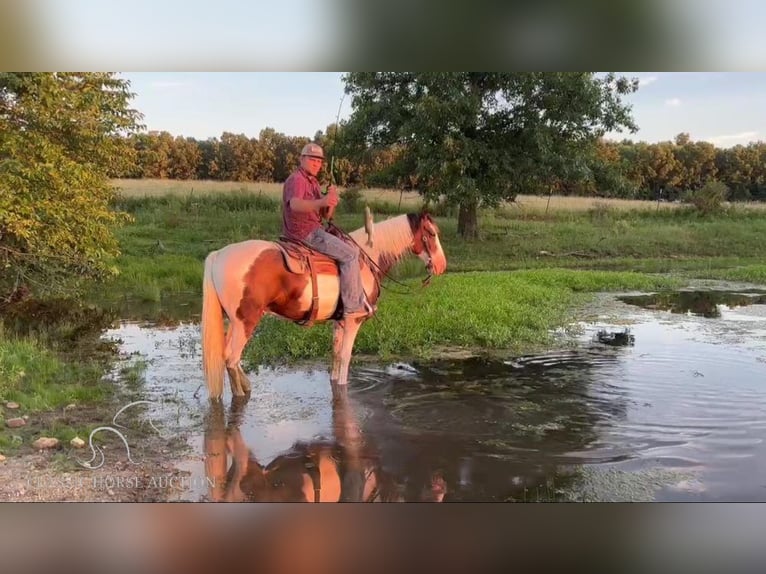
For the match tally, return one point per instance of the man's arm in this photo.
(308, 205)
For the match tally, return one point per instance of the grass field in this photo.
(137, 188)
(524, 204)
(173, 232)
(579, 246)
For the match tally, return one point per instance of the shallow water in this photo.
(676, 411)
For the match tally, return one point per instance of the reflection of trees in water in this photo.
(702, 303)
(64, 324)
(169, 311)
(500, 430)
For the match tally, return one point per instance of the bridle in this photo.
(425, 239)
(377, 272)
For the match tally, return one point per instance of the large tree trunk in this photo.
(467, 225)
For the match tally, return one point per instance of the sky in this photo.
(723, 108)
(204, 105)
(227, 35)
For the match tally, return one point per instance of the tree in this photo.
(185, 156)
(664, 170)
(605, 174)
(697, 161)
(287, 153)
(237, 157)
(478, 138)
(344, 172)
(154, 153)
(57, 144)
(209, 166)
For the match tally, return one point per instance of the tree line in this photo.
(270, 157)
(619, 169)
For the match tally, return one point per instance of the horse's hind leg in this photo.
(240, 384)
(235, 374)
(244, 382)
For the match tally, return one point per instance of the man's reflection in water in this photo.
(340, 470)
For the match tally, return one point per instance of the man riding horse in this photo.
(246, 280)
(302, 208)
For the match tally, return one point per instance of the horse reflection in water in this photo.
(340, 470)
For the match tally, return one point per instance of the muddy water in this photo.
(649, 404)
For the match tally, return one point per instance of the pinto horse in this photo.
(248, 279)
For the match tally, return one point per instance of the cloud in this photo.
(646, 80)
(732, 139)
(673, 102)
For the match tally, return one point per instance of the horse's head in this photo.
(426, 244)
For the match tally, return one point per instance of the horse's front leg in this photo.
(350, 330)
(337, 342)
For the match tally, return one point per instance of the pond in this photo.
(651, 402)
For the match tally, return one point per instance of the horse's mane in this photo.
(391, 240)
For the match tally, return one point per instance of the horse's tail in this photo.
(212, 333)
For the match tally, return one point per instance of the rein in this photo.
(331, 227)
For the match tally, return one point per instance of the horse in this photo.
(251, 278)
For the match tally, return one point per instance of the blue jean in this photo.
(347, 256)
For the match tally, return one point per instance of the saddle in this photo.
(301, 258)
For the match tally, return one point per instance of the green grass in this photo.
(43, 383)
(581, 241)
(163, 249)
(147, 280)
(753, 273)
(494, 311)
(553, 256)
(35, 378)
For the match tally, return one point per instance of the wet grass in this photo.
(613, 485)
(53, 364)
(753, 273)
(479, 312)
(44, 385)
(594, 484)
(36, 378)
